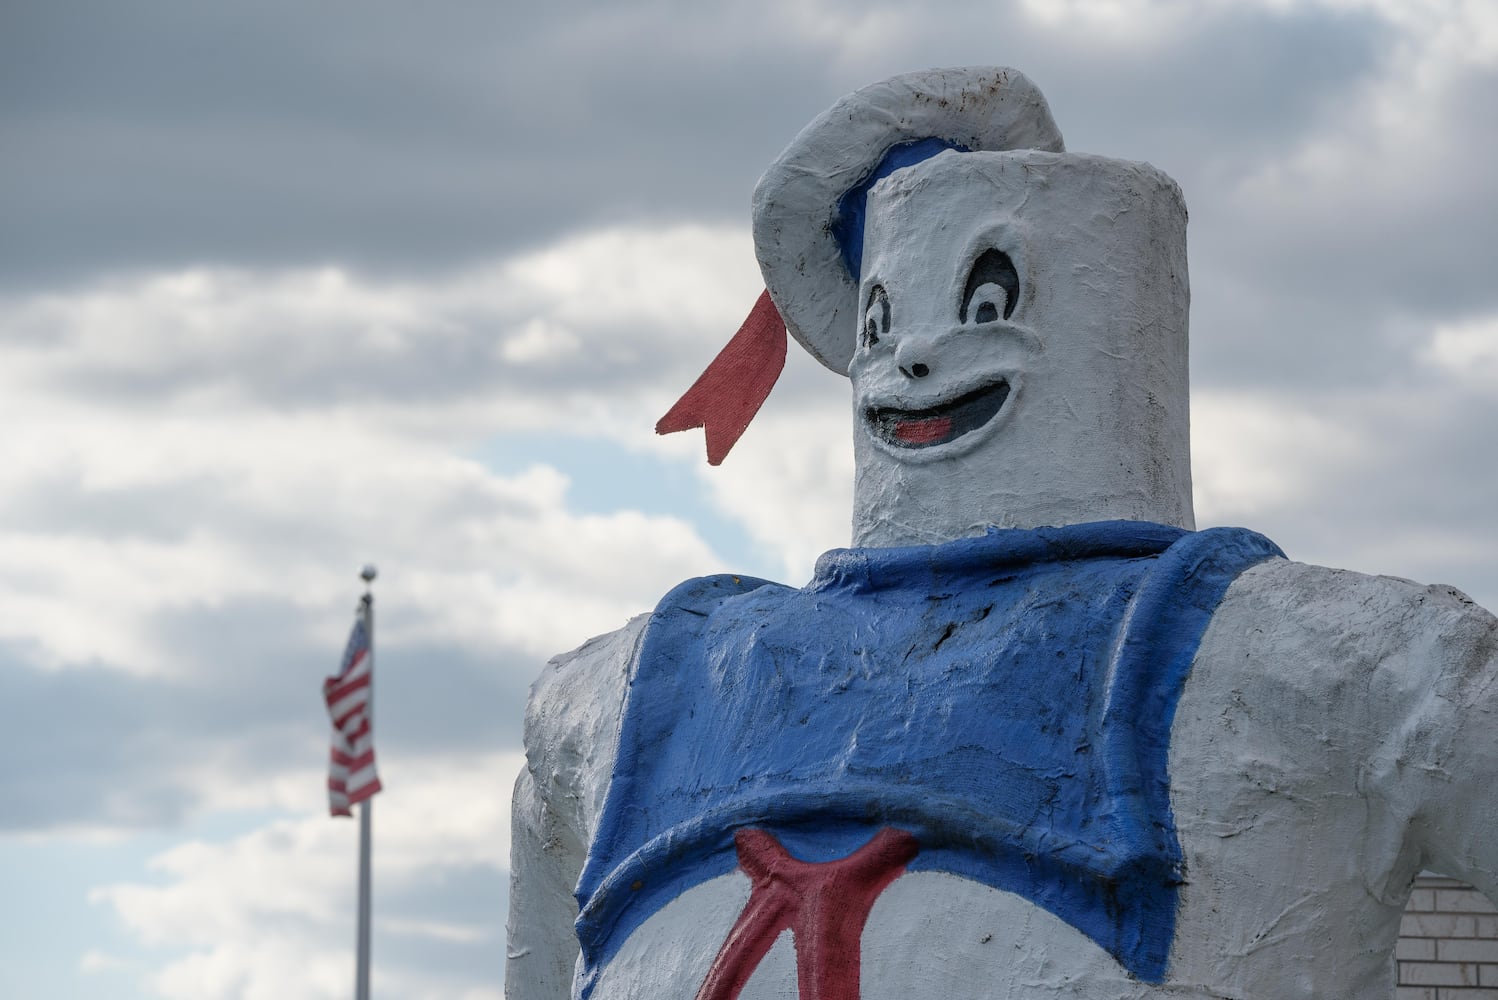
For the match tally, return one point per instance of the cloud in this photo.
(1379, 480)
(1256, 452)
(270, 913)
(644, 302)
(1466, 351)
(1365, 227)
(275, 134)
(114, 753)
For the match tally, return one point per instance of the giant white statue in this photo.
(1033, 737)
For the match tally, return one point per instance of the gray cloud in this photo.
(390, 136)
(328, 368)
(1209, 93)
(108, 748)
(1416, 504)
(473, 897)
(381, 135)
(91, 732)
(393, 138)
(62, 502)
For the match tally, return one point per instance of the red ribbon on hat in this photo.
(733, 387)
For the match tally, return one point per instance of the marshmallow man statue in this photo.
(1034, 737)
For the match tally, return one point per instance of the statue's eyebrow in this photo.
(993, 267)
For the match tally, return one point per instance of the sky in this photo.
(286, 288)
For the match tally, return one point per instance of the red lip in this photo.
(926, 431)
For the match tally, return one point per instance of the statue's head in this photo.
(1021, 346)
(1013, 318)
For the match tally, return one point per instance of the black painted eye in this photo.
(992, 288)
(875, 316)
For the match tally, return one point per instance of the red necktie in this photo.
(825, 906)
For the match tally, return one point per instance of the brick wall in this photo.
(1448, 943)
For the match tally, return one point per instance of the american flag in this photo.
(351, 769)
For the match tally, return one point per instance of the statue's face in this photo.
(943, 344)
(1021, 353)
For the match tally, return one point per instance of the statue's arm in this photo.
(540, 949)
(571, 735)
(1400, 681)
(1445, 744)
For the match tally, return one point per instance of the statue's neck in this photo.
(933, 503)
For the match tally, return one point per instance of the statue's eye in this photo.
(992, 288)
(875, 316)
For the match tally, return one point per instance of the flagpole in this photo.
(361, 974)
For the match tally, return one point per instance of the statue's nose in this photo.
(914, 356)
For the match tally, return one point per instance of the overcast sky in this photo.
(289, 287)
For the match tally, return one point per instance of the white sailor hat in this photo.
(808, 222)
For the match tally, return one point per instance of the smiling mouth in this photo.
(939, 424)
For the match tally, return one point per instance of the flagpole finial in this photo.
(368, 573)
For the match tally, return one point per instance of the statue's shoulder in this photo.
(572, 718)
(1323, 598)
(580, 674)
(1315, 624)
